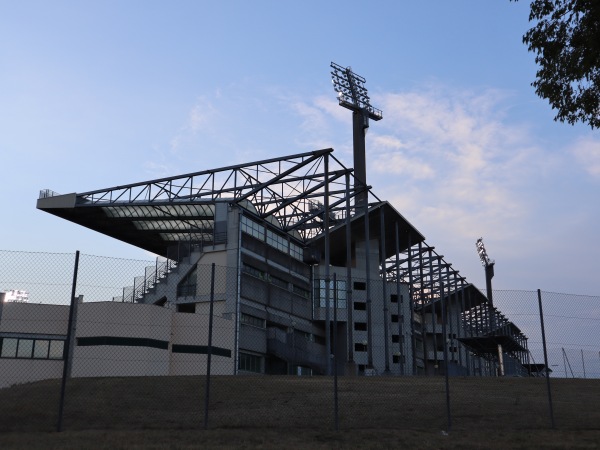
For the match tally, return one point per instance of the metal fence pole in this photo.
(539, 292)
(444, 341)
(334, 356)
(68, 349)
(209, 352)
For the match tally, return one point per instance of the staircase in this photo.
(159, 281)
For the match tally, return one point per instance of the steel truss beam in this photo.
(291, 189)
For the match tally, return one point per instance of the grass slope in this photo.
(291, 412)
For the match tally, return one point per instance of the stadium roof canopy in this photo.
(293, 192)
(302, 194)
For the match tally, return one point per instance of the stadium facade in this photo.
(308, 272)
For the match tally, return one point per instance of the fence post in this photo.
(334, 356)
(445, 343)
(209, 352)
(2, 295)
(539, 292)
(68, 349)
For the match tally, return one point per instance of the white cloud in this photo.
(452, 162)
(399, 164)
(200, 118)
(587, 153)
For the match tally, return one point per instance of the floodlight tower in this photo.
(352, 94)
(488, 264)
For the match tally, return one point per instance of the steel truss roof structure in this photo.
(292, 192)
(432, 280)
(302, 194)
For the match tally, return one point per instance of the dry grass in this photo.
(276, 412)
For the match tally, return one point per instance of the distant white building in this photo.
(16, 295)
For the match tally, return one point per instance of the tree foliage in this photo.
(566, 41)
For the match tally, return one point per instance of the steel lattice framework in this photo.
(293, 190)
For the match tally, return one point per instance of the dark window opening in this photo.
(360, 306)
(360, 286)
(359, 347)
(280, 282)
(249, 363)
(360, 326)
(186, 307)
(397, 358)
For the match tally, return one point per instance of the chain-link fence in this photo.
(89, 342)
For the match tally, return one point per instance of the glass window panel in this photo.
(40, 349)
(296, 251)
(9, 348)
(25, 349)
(56, 349)
(249, 363)
(340, 291)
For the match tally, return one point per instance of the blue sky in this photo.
(98, 94)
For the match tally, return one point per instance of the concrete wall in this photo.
(192, 330)
(103, 328)
(124, 320)
(34, 318)
(28, 320)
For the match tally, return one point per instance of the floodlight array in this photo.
(351, 91)
(485, 259)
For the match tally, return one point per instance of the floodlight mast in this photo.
(488, 264)
(352, 94)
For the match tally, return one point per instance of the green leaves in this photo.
(566, 41)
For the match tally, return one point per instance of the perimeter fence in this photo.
(89, 342)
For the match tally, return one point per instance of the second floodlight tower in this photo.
(352, 94)
(488, 264)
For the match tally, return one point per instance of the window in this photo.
(300, 291)
(57, 349)
(360, 286)
(360, 306)
(41, 348)
(26, 348)
(252, 228)
(277, 241)
(296, 251)
(394, 298)
(280, 282)
(9, 348)
(395, 318)
(340, 291)
(359, 347)
(397, 358)
(360, 326)
(249, 363)
(252, 320)
(186, 307)
(250, 270)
